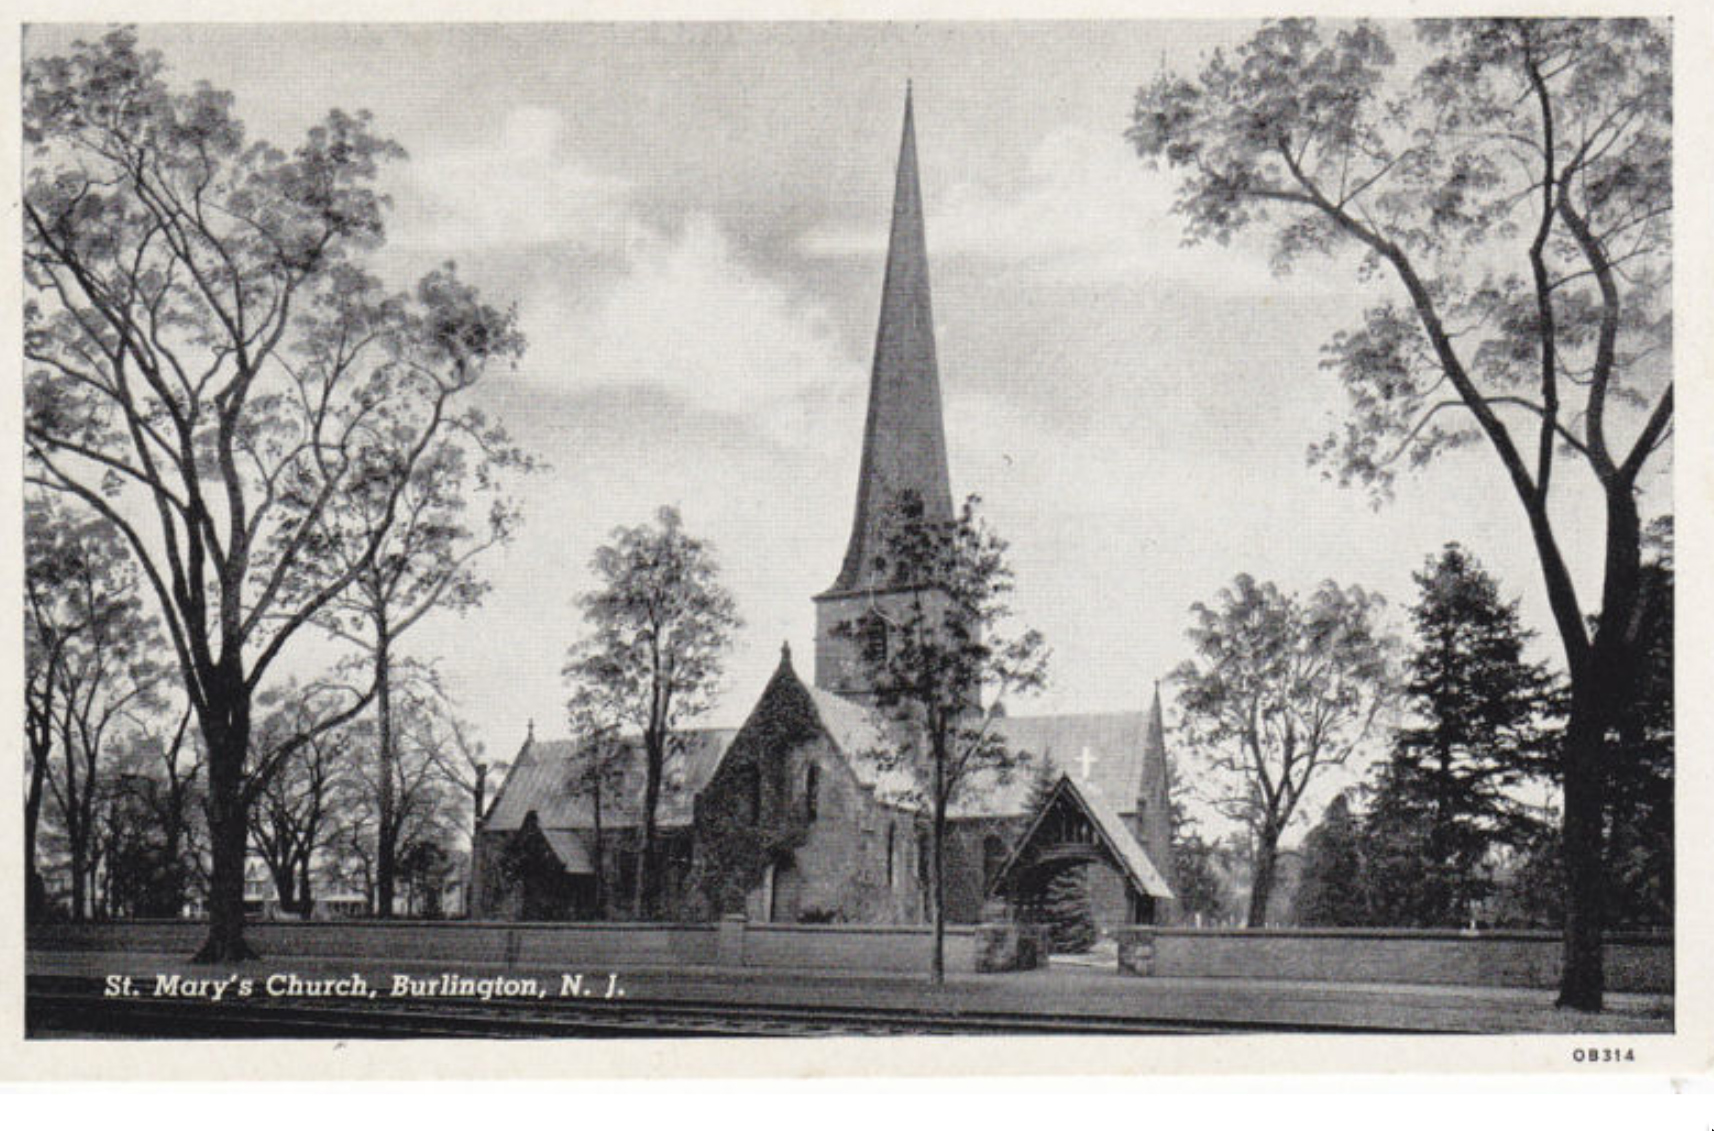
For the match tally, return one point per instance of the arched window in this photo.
(753, 794)
(811, 784)
(993, 856)
(874, 640)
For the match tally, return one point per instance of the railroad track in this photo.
(61, 1006)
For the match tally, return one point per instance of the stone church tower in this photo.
(904, 445)
(804, 813)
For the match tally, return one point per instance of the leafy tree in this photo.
(425, 867)
(1332, 891)
(659, 627)
(600, 766)
(1517, 190)
(1480, 730)
(1281, 690)
(212, 371)
(1530, 884)
(1197, 879)
(945, 648)
(1065, 907)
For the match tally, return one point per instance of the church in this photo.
(804, 814)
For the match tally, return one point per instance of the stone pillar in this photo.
(1136, 950)
(729, 940)
(1001, 947)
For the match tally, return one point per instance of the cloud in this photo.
(518, 189)
(689, 320)
(1083, 205)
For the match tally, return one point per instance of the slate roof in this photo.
(568, 846)
(860, 733)
(537, 781)
(1115, 742)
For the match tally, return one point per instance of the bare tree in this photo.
(289, 818)
(91, 679)
(413, 554)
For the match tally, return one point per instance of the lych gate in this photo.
(1076, 828)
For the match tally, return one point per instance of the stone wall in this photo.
(902, 950)
(1523, 959)
(1634, 963)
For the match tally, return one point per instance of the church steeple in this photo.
(904, 443)
(1154, 805)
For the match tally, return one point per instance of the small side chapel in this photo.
(804, 814)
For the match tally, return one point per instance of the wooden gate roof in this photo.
(1111, 834)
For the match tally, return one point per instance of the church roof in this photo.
(538, 779)
(861, 735)
(569, 848)
(904, 441)
(1103, 753)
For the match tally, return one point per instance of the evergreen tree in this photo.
(1196, 878)
(1064, 907)
(1445, 799)
(1332, 891)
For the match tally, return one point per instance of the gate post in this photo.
(729, 940)
(1136, 949)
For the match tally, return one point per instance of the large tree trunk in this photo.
(937, 871)
(1582, 979)
(386, 848)
(281, 871)
(40, 750)
(1600, 683)
(79, 881)
(306, 895)
(226, 732)
(647, 863)
(600, 862)
(1262, 886)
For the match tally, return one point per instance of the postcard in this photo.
(1159, 533)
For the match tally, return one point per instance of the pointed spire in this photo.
(786, 654)
(904, 442)
(1154, 792)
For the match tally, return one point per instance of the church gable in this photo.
(1075, 827)
(789, 828)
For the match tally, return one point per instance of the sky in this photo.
(691, 221)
